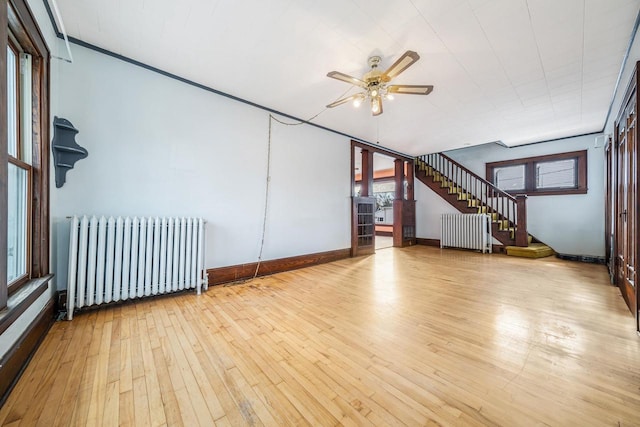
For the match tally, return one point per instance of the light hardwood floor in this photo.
(414, 336)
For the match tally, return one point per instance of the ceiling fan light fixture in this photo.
(375, 107)
(375, 83)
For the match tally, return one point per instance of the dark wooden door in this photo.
(626, 206)
(631, 217)
(609, 200)
(363, 227)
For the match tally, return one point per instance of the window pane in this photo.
(509, 177)
(17, 223)
(384, 193)
(384, 187)
(556, 174)
(26, 104)
(12, 93)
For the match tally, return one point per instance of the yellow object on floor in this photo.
(534, 250)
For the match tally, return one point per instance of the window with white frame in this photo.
(509, 178)
(19, 164)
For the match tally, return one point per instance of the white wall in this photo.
(570, 224)
(429, 207)
(161, 147)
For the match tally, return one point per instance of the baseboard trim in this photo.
(13, 364)
(583, 258)
(427, 242)
(496, 249)
(233, 273)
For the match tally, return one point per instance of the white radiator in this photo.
(116, 259)
(467, 231)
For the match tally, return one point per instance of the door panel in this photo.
(623, 175)
(626, 207)
(610, 156)
(632, 214)
(621, 223)
(363, 228)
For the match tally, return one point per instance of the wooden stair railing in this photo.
(507, 211)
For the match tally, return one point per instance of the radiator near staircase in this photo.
(116, 259)
(466, 231)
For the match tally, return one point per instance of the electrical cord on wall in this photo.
(272, 119)
(266, 199)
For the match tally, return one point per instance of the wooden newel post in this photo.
(522, 237)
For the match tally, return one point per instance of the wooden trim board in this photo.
(22, 300)
(427, 242)
(232, 273)
(497, 249)
(17, 358)
(529, 164)
(592, 259)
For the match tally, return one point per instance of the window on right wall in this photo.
(564, 173)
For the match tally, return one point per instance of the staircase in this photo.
(469, 193)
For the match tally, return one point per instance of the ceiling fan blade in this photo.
(346, 78)
(404, 62)
(344, 100)
(410, 89)
(376, 106)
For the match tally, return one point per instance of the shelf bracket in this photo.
(66, 152)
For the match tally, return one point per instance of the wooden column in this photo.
(410, 179)
(398, 203)
(366, 185)
(522, 237)
(399, 177)
(397, 223)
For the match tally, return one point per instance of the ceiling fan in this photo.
(375, 83)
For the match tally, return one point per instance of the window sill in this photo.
(21, 300)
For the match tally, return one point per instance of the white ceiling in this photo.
(517, 71)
